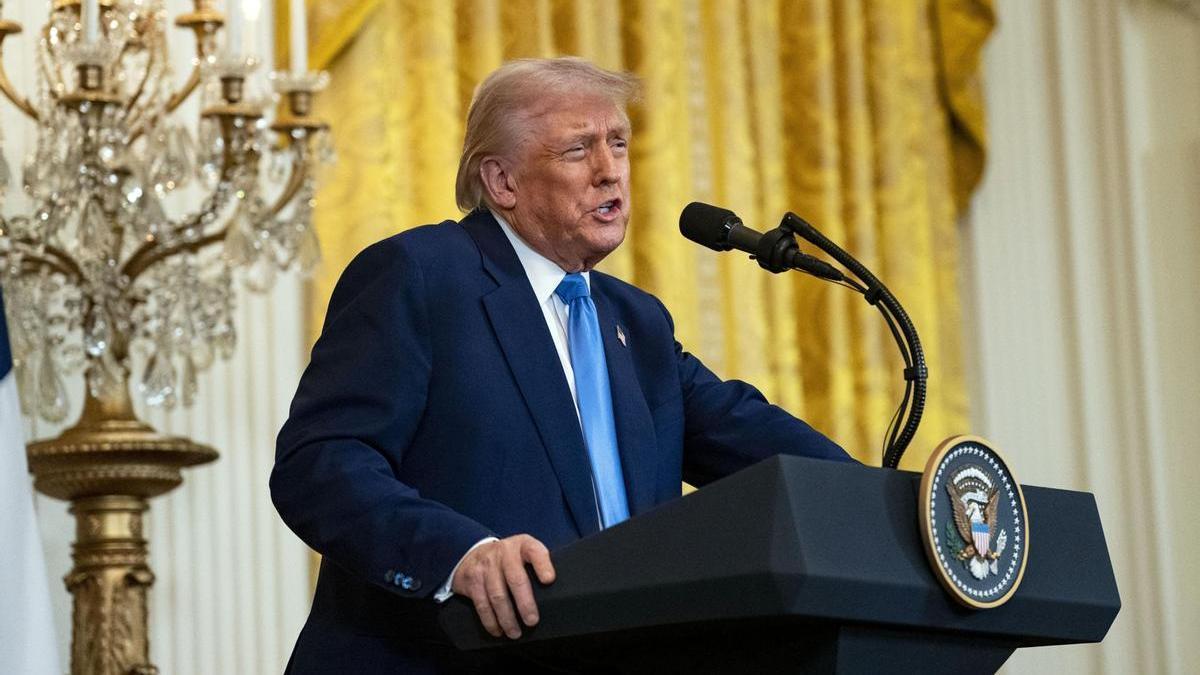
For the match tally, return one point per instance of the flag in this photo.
(27, 637)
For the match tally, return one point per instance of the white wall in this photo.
(1080, 269)
(232, 585)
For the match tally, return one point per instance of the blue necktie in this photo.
(595, 399)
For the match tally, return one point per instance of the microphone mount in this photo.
(776, 251)
(774, 247)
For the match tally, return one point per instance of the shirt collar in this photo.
(544, 274)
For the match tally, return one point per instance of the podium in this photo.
(799, 565)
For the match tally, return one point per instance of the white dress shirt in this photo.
(544, 276)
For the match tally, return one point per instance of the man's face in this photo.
(570, 181)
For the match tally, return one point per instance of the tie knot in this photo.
(571, 287)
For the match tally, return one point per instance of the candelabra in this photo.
(99, 278)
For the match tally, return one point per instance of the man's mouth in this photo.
(609, 208)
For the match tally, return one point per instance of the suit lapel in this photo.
(636, 439)
(525, 340)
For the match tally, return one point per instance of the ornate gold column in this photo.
(107, 466)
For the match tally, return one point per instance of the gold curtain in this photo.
(863, 116)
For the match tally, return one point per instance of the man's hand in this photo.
(493, 576)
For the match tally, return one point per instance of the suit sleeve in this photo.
(355, 412)
(729, 424)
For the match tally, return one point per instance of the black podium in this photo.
(798, 565)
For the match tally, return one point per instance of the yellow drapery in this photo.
(863, 116)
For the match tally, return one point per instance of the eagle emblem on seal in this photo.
(972, 533)
(974, 523)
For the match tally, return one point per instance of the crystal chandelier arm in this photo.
(151, 252)
(177, 98)
(134, 116)
(52, 257)
(141, 88)
(204, 21)
(294, 182)
(139, 119)
(50, 69)
(145, 258)
(183, 93)
(11, 94)
(33, 263)
(23, 104)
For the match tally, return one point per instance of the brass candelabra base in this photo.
(107, 466)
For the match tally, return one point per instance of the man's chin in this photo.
(600, 248)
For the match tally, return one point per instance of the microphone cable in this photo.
(916, 372)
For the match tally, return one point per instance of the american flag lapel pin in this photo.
(621, 335)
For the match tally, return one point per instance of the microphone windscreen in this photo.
(707, 225)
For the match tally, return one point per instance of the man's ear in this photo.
(498, 182)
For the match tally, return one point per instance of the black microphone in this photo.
(717, 228)
(776, 251)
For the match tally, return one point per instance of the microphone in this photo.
(717, 228)
(776, 251)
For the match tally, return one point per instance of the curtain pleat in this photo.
(862, 116)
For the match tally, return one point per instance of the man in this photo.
(479, 396)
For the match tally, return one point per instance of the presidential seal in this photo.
(974, 522)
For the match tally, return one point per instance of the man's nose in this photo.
(606, 166)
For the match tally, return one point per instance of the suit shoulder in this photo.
(417, 243)
(618, 288)
(401, 261)
(434, 238)
(626, 294)
(425, 249)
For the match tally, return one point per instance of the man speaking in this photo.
(480, 396)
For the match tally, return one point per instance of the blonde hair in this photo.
(506, 100)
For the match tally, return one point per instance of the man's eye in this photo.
(575, 150)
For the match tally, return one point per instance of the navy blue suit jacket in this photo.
(435, 412)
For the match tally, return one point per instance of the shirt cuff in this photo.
(444, 593)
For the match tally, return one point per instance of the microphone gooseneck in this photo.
(916, 372)
(776, 251)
